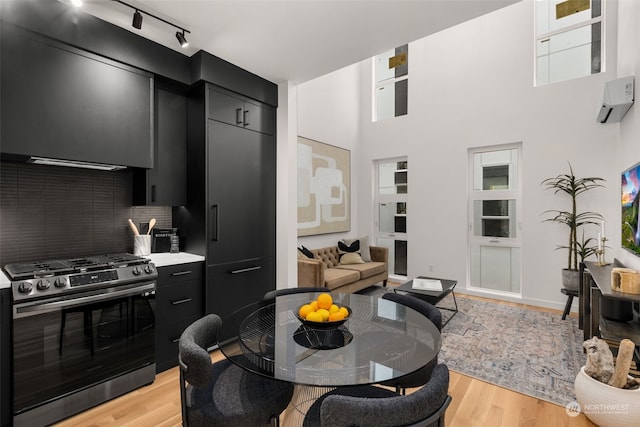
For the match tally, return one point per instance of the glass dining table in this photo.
(380, 341)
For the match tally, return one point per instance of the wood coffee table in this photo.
(433, 297)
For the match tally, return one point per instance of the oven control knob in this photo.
(60, 282)
(148, 269)
(136, 271)
(25, 287)
(43, 285)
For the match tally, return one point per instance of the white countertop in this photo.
(159, 259)
(164, 259)
(4, 281)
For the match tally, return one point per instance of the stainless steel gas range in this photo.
(82, 333)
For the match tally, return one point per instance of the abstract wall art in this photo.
(324, 188)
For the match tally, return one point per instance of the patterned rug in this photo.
(528, 351)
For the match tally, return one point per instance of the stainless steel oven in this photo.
(80, 338)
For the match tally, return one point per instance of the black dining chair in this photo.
(362, 406)
(421, 376)
(288, 291)
(222, 393)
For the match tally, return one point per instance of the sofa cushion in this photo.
(306, 252)
(336, 277)
(350, 258)
(365, 270)
(365, 252)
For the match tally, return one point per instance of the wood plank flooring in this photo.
(475, 403)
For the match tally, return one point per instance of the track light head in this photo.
(182, 39)
(137, 20)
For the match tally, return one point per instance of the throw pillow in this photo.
(351, 258)
(306, 252)
(349, 254)
(365, 253)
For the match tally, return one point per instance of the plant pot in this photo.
(570, 279)
(605, 405)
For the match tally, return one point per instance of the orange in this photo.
(324, 313)
(344, 311)
(333, 308)
(324, 301)
(304, 310)
(314, 316)
(314, 305)
(338, 315)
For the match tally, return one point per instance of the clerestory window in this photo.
(568, 39)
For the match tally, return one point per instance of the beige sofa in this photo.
(325, 270)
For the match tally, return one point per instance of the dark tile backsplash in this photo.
(49, 212)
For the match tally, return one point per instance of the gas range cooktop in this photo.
(37, 279)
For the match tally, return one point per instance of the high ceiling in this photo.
(294, 40)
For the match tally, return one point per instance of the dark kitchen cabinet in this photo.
(65, 103)
(165, 184)
(238, 112)
(179, 302)
(230, 215)
(238, 284)
(5, 357)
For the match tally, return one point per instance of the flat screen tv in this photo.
(630, 186)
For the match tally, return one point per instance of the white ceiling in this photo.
(293, 40)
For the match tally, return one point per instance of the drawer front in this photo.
(171, 274)
(179, 300)
(167, 342)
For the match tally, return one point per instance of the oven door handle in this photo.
(33, 309)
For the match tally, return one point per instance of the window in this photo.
(568, 39)
(391, 201)
(391, 80)
(494, 211)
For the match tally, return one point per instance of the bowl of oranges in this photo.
(323, 313)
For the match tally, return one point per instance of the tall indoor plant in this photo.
(572, 186)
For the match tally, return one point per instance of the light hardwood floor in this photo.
(475, 403)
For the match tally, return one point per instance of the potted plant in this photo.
(572, 187)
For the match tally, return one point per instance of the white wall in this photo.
(328, 111)
(470, 86)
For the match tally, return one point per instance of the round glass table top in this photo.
(380, 341)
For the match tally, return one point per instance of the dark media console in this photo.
(605, 313)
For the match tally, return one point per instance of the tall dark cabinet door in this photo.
(241, 175)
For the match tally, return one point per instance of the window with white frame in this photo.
(568, 39)
(391, 80)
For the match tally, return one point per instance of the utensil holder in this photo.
(142, 245)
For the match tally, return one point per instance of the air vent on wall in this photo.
(617, 99)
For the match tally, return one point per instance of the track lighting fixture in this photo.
(137, 20)
(137, 23)
(182, 39)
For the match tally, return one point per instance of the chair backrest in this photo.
(289, 291)
(426, 405)
(421, 306)
(194, 358)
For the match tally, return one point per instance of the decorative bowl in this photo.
(323, 325)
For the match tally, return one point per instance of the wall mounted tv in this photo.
(630, 186)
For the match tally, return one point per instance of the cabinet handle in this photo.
(214, 223)
(181, 273)
(153, 193)
(238, 116)
(245, 118)
(245, 270)
(181, 301)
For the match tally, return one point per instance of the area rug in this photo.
(524, 350)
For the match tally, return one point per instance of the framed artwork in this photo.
(324, 188)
